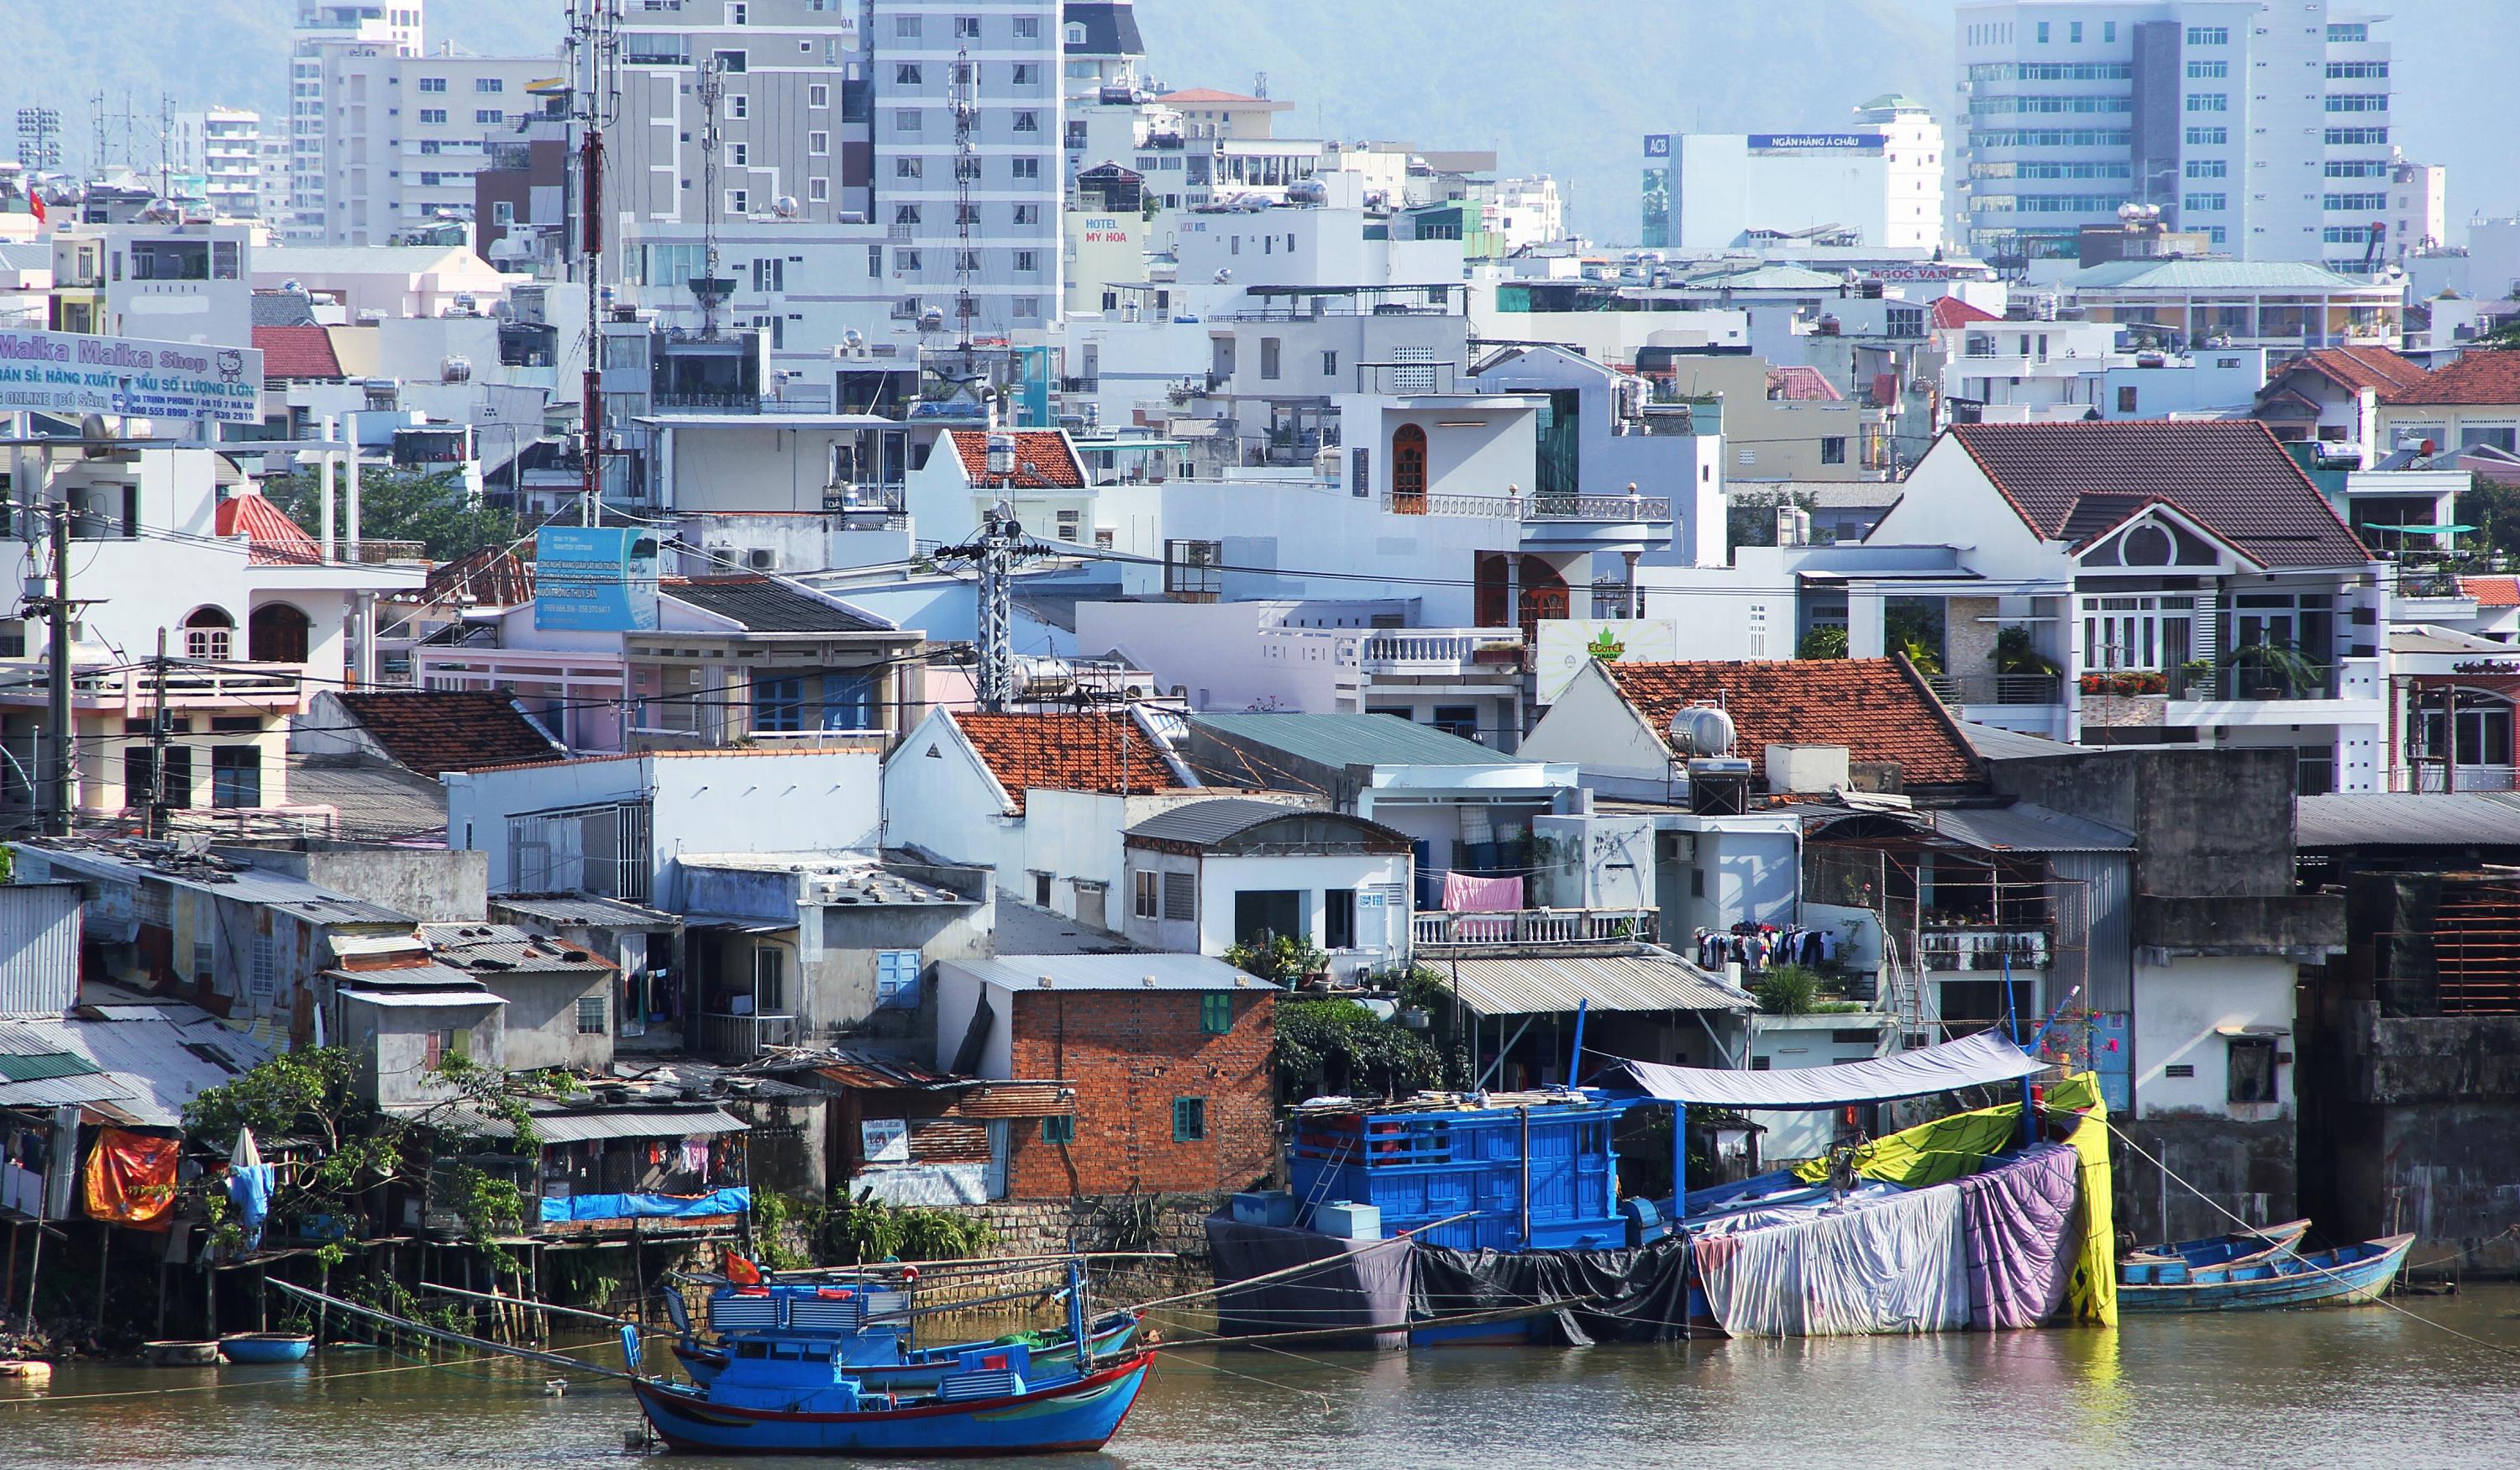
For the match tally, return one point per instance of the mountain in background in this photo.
(1566, 87)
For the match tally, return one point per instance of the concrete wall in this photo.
(430, 884)
(2246, 1168)
(2177, 1008)
(540, 1023)
(389, 1046)
(2208, 823)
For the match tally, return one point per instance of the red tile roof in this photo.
(1802, 384)
(1066, 752)
(489, 578)
(1952, 311)
(2069, 480)
(296, 352)
(2483, 376)
(1869, 705)
(2491, 592)
(276, 540)
(435, 730)
(2362, 367)
(1043, 460)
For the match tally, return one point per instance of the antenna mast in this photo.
(962, 100)
(712, 295)
(594, 46)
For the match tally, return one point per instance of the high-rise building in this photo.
(2418, 206)
(2262, 125)
(223, 148)
(833, 173)
(407, 134)
(1879, 183)
(324, 27)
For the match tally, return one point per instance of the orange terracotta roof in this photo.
(1952, 311)
(2362, 368)
(2491, 592)
(1043, 460)
(1799, 383)
(2482, 377)
(436, 731)
(276, 539)
(1066, 752)
(490, 577)
(1869, 705)
(297, 353)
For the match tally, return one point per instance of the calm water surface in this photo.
(2338, 1388)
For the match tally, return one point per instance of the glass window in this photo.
(778, 704)
(1058, 1131)
(1216, 1012)
(590, 1015)
(235, 776)
(1338, 919)
(1189, 1120)
(1146, 902)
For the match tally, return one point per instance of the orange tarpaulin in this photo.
(131, 1179)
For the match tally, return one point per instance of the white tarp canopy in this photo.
(1988, 1057)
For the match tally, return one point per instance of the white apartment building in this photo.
(224, 147)
(835, 191)
(324, 27)
(2418, 206)
(2264, 126)
(407, 133)
(1879, 181)
(1522, 212)
(272, 181)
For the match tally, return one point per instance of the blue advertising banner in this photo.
(595, 579)
(1807, 142)
(1657, 145)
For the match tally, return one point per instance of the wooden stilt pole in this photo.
(639, 1274)
(9, 1293)
(324, 1285)
(104, 1262)
(162, 1270)
(263, 1300)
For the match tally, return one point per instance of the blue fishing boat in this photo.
(804, 1371)
(2215, 1254)
(265, 1347)
(879, 1358)
(2339, 1277)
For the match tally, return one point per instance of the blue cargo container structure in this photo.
(1530, 1172)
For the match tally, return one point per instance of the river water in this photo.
(2343, 1387)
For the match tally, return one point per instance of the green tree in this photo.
(405, 504)
(1822, 642)
(1750, 516)
(1334, 1046)
(2495, 511)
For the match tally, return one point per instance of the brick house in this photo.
(1168, 1056)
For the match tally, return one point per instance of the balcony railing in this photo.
(1443, 650)
(742, 1038)
(884, 500)
(1996, 688)
(1624, 509)
(188, 684)
(1969, 947)
(1531, 928)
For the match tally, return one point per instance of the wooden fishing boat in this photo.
(2339, 1277)
(981, 1412)
(172, 1354)
(2215, 1254)
(25, 1372)
(881, 1362)
(265, 1347)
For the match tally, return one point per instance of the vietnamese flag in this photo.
(35, 206)
(740, 1272)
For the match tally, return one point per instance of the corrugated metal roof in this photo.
(1196, 972)
(1513, 987)
(2218, 275)
(1206, 822)
(422, 998)
(152, 1060)
(2405, 818)
(54, 1092)
(1993, 743)
(2024, 827)
(1017, 1100)
(247, 885)
(1355, 740)
(35, 1066)
(503, 948)
(574, 911)
(635, 1123)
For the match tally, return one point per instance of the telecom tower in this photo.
(963, 101)
(594, 49)
(711, 290)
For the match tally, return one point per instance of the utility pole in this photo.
(595, 44)
(995, 551)
(157, 746)
(65, 752)
(963, 101)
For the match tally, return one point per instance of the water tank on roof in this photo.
(1701, 730)
(455, 369)
(1002, 454)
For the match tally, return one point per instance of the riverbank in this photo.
(2360, 1386)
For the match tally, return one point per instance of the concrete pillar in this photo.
(324, 461)
(350, 468)
(365, 668)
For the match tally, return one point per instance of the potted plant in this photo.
(2196, 674)
(2274, 671)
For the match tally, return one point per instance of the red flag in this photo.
(35, 206)
(740, 1272)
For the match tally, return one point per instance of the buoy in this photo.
(554, 1388)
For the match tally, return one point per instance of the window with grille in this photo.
(264, 978)
(590, 1015)
(1180, 896)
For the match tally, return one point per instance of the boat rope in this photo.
(511, 1301)
(1326, 1401)
(2508, 1232)
(1303, 1266)
(2506, 1350)
(16, 1402)
(1371, 1329)
(406, 1325)
(1206, 1339)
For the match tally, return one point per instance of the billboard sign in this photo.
(1817, 143)
(1657, 145)
(595, 579)
(1567, 643)
(72, 374)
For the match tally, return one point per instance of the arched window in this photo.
(277, 633)
(209, 633)
(1409, 471)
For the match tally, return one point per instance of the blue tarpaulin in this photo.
(733, 1201)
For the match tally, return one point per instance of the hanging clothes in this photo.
(131, 1179)
(695, 1157)
(1469, 893)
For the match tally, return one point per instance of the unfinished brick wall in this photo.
(1129, 1055)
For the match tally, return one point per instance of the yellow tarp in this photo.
(1945, 1149)
(131, 1179)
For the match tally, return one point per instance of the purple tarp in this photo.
(2013, 1222)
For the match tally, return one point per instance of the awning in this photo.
(634, 1123)
(1988, 1057)
(735, 924)
(1542, 985)
(2421, 531)
(441, 998)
